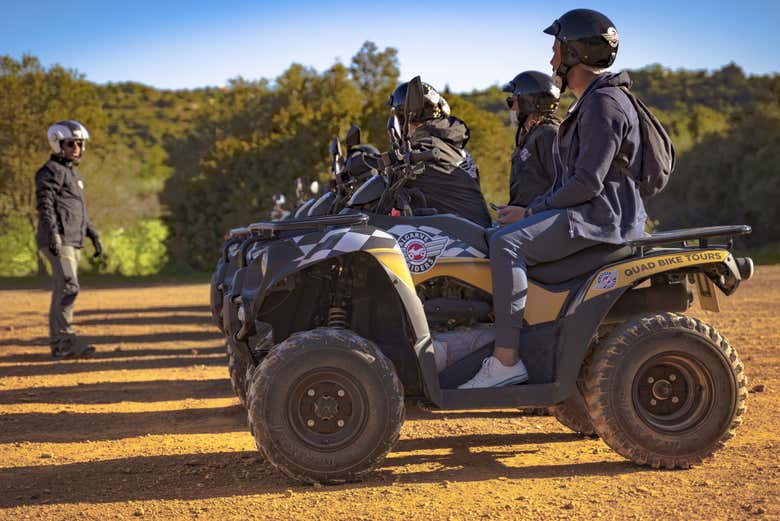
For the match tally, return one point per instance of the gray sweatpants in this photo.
(66, 288)
(543, 237)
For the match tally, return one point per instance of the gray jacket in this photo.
(59, 193)
(533, 169)
(599, 135)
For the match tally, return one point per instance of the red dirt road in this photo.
(149, 428)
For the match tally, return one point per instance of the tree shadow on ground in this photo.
(243, 473)
(172, 336)
(115, 392)
(128, 352)
(150, 309)
(414, 413)
(70, 427)
(85, 366)
(110, 319)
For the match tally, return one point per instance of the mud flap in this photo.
(708, 294)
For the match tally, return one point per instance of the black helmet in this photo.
(587, 37)
(535, 91)
(435, 105)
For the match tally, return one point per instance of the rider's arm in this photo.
(47, 184)
(601, 126)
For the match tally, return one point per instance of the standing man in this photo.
(594, 200)
(532, 104)
(62, 226)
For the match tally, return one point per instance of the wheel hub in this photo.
(327, 408)
(672, 392)
(662, 390)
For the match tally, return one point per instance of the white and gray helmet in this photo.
(65, 130)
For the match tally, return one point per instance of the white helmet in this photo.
(64, 130)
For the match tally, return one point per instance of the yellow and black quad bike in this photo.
(349, 172)
(341, 318)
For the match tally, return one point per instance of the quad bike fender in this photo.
(282, 258)
(604, 289)
(718, 264)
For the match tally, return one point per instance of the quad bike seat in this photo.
(581, 263)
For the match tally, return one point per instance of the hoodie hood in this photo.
(451, 130)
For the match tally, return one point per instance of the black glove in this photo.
(98, 246)
(55, 244)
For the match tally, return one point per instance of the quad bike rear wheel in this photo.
(666, 390)
(237, 369)
(325, 406)
(573, 414)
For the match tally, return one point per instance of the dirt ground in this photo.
(149, 428)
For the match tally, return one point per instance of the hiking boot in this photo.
(72, 348)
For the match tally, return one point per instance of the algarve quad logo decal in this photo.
(606, 280)
(421, 250)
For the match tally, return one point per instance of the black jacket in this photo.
(599, 135)
(533, 167)
(451, 184)
(59, 193)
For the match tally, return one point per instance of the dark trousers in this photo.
(543, 237)
(64, 270)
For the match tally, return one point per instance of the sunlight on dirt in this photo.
(149, 427)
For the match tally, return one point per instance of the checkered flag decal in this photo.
(314, 247)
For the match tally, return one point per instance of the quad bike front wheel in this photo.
(665, 390)
(325, 406)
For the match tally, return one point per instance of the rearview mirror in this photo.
(335, 147)
(353, 137)
(415, 100)
(394, 131)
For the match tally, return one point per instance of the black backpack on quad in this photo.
(339, 319)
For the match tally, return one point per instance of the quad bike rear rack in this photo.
(702, 235)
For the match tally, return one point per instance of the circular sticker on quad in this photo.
(421, 250)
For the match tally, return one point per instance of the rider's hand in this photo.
(511, 214)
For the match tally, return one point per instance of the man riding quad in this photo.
(596, 200)
(451, 183)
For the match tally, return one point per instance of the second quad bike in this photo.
(343, 317)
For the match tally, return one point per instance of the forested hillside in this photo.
(167, 172)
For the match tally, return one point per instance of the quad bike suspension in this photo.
(338, 315)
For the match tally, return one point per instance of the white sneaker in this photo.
(495, 374)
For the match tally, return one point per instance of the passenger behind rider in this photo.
(595, 199)
(532, 104)
(450, 184)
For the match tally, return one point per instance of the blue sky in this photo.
(474, 44)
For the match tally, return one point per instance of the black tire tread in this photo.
(237, 370)
(597, 396)
(258, 388)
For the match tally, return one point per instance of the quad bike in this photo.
(336, 337)
(340, 318)
(240, 246)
